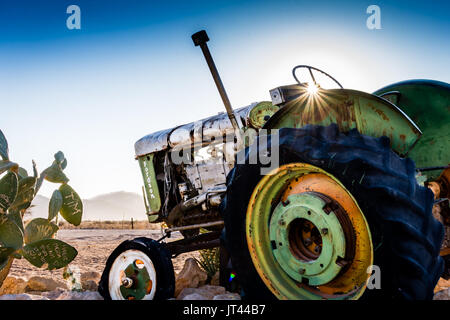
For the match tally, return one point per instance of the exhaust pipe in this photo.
(200, 39)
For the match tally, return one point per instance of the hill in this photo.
(111, 206)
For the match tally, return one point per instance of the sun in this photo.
(312, 88)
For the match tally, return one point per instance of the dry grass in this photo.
(137, 225)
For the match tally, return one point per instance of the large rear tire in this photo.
(405, 235)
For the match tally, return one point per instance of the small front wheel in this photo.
(138, 269)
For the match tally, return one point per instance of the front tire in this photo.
(138, 269)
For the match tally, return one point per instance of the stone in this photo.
(215, 280)
(185, 292)
(442, 285)
(89, 285)
(76, 295)
(36, 293)
(89, 280)
(212, 290)
(442, 295)
(227, 296)
(194, 296)
(191, 276)
(22, 296)
(38, 297)
(90, 275)
(38, 283)
(208, 292)
(53, 295)
(13, 285)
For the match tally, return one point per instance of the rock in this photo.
(442, 285)
(442, 295)
(227, 296)
(185, 292)
(208, 292)
(38, 297)
(36, 293)
(89, 280)
(89, 285)
(90, 275)
(58, 294)
(194, 296)
(13, 285)
(44, 284)
(215, 280)
(191, 276)
(212, 290)
(53, 295)
(76, 295)
(22, 296)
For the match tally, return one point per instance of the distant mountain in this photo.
(111, 206)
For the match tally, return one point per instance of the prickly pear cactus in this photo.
(34, 241)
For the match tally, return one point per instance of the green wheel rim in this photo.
(268, 222)
(322, 269)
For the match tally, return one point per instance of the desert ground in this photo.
(94, 247)
(95, 241)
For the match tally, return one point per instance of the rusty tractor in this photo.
(312, 195)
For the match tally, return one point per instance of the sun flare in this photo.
(312, 89)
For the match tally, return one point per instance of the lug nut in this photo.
(285, 203)
(301, 271)
(324, 231)
(127, 282)
(139, 264)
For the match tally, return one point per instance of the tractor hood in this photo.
(215, 126)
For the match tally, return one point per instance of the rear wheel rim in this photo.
(132, 277)
(334, 263)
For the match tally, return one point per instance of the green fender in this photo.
(349, 109)
(427, 103)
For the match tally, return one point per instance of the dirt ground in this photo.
(94, 247)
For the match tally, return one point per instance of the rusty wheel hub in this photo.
(307, 237)
(311, 238)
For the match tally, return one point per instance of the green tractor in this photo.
(317, 194)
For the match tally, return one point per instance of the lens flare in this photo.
(312, 89)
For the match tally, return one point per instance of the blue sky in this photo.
(132, 68)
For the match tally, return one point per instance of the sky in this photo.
(132, 68)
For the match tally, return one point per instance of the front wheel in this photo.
(138, 269)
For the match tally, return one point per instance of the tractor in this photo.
(317, 194)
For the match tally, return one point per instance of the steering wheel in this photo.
(312, 76)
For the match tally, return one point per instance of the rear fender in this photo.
(349, 109)
(427, 102)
